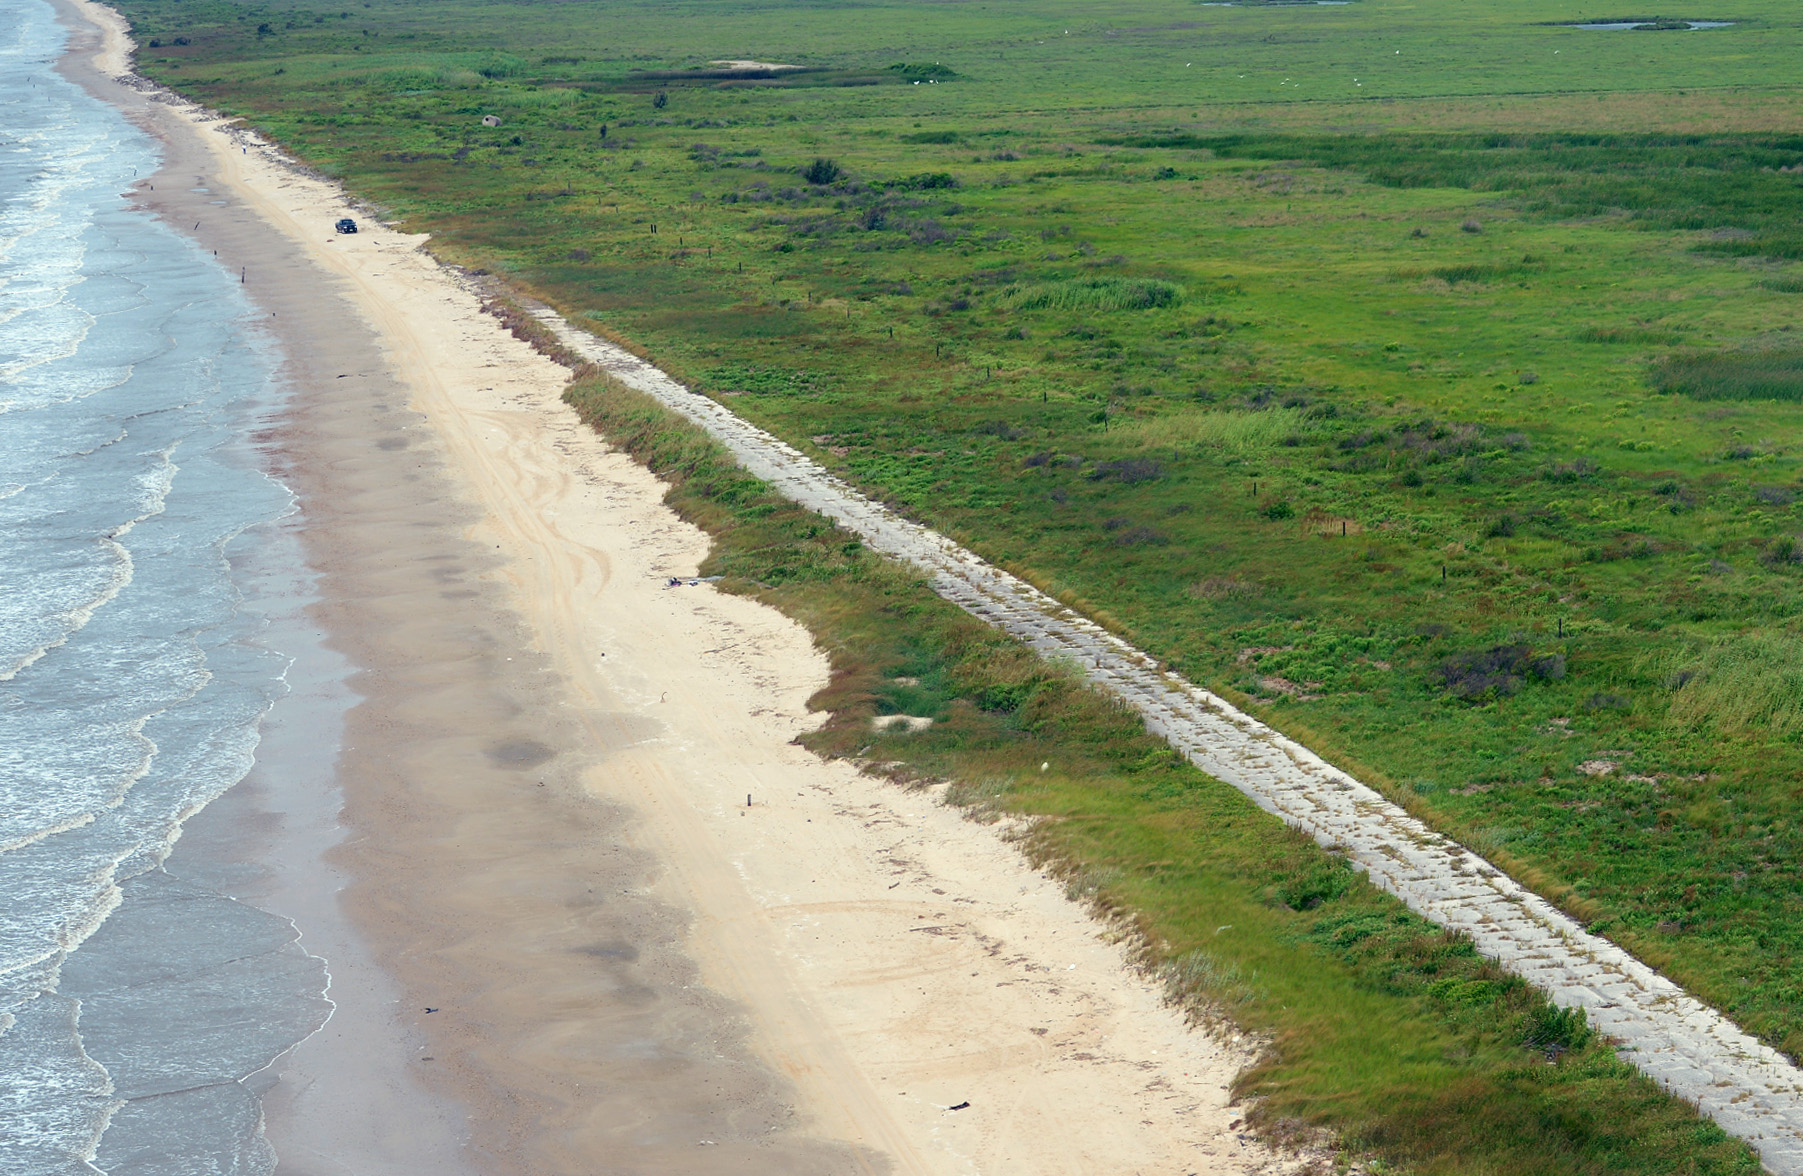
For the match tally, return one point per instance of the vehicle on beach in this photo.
(346, 225)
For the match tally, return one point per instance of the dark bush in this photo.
(929, 232)
(1781, 552)
(1002, 429)
(1571, 471)
(660, 101)
(821, 171)
(1503, 527)
(1280, 510)
(1140, 536)
(924, 181)
(1495, 672)
(919, 71)
(1129, 470)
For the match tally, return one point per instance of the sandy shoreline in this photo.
(544, 782)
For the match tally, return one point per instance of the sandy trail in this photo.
(628, 967)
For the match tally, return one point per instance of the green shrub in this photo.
(1495, 672)
(1557, 1030)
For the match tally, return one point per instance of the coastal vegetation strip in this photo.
(1694, 1052)
(1407, 410)
(1396, 1037)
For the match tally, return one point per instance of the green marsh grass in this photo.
(1770, 375)
(1096, 294)
(1236, 431)
(1736, 686)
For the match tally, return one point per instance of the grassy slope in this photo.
(1475, 409)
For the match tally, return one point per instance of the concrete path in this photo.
(1691, 1050)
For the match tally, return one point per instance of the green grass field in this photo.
(1424, 377)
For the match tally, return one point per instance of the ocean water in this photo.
(133, 672)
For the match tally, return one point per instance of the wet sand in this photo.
(544, 834)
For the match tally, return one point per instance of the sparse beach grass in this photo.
(1324, 351)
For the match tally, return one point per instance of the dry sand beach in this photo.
(570, 945)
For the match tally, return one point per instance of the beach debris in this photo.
(346, 225)
(961, 1106)
(431, 1010)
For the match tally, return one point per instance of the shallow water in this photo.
(1616, 26)
(131, 680)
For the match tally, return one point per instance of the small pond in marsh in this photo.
(1653, 25)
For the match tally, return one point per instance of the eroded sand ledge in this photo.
(545, 784)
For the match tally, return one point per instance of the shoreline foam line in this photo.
(1691, 1050)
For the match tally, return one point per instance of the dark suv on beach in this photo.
(347, 225)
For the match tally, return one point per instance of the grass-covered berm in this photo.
(1424, 380)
